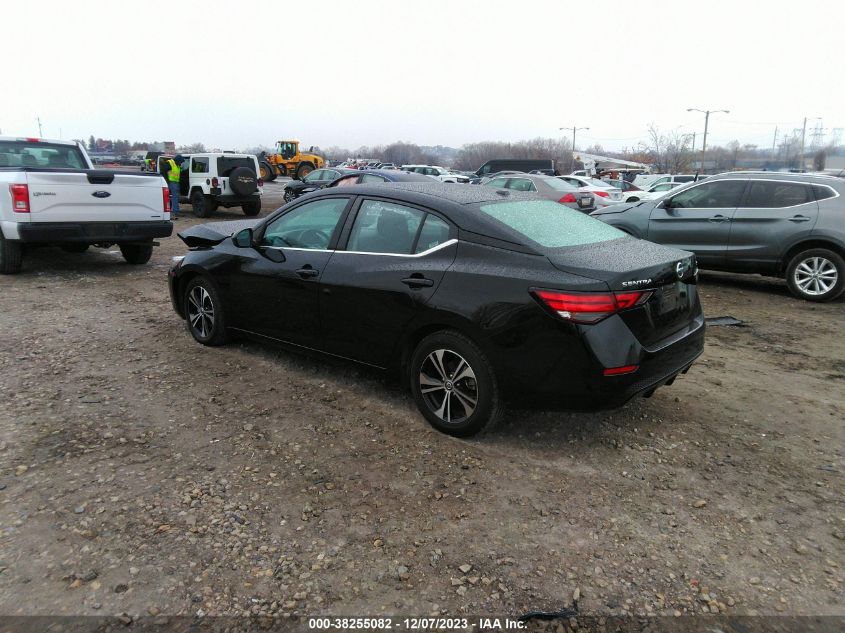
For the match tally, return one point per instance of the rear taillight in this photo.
(620, 371)
(215, 182)
(567, 198)
(590, 307)
(165, 198)
(20, 198)
(603, 194)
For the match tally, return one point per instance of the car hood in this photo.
(622, 261)
(214, 232)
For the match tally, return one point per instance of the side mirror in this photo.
(243, 239)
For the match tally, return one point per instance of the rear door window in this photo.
(199, 165)
(822, 192)
(769, 194)
(434, 232)
(521, 184)
(385, 227)
(721, 194)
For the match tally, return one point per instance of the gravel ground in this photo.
(141, 473)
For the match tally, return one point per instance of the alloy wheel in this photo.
(815, 276)
(201, 312)
(448, 386)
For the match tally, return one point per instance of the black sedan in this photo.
(316, 179)
(475, 296)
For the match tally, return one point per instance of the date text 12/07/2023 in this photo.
(415, 624)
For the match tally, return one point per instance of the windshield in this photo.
(35, 154)
(550, 224)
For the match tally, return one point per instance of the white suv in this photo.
(440, 173)
(219, 179)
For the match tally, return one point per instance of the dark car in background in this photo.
(316, 179)
(549, 187)
(374, 176)
(787, 225)
(474, 296)
(542, 165)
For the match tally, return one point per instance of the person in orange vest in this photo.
(171, 170)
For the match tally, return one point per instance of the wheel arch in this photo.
(417, 331)
(808, 244)
(186, 276)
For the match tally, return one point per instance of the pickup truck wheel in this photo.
(74, 248)
(204, 312)
(11, 254)
(202, 205)
(136, 254)
(252, 208)
(817, 274)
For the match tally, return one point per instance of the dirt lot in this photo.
(143, 473)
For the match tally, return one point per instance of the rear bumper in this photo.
(94, 232)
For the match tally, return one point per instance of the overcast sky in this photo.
(363, 72)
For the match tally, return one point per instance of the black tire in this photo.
(267, 173)
(11, 256)
(202, 205)
(136, 254)
(207, 329)
(454, 414)
(243, 181)
(303, 169)
(252, 208)
(817, 274)
(75, 247)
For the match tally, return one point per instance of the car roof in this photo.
(395, 176)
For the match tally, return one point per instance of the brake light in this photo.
(590, 307)
(215, 182)
(165, 198)
(567, 198)
(619, 371)
(603, 194)
(20, 198)
(32, 140)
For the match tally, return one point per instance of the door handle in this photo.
(799, 218)
(306, 271)
(418, 282)
(719, 218)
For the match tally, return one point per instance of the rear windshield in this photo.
(29, 154)
(559, 185)
(550, 224)
(225, 164)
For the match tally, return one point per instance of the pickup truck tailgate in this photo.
(95, 196)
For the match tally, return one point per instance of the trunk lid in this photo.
(629, 264)
(94, 196)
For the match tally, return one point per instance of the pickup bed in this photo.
(50, 194)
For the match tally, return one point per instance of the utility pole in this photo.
(706, 114)
(38, 118)
(803, 138)
(774, 142)
(574, 129)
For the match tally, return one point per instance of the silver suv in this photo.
(788, 225)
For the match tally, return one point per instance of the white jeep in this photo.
(219, 179)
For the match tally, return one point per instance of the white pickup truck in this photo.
(50, 194)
